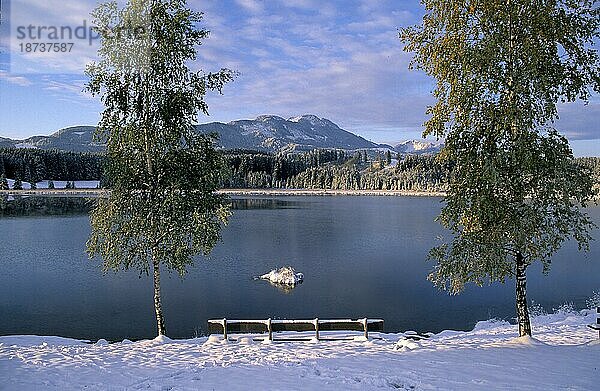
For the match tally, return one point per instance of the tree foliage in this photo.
(17, 184)
(3, 182)
(501, 67)
(163, 208)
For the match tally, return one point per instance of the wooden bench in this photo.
(270, 326)
(596, 326)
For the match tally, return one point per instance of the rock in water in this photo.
(285, 275)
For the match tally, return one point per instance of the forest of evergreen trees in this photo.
(331, 169)
(317, 169)
(33, 165)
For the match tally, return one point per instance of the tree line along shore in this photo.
(337, 171)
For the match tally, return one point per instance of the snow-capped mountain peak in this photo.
(418, 147)
(267, 118)
(270, 132)
(313, 120)
(265, 133)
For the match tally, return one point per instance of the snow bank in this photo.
(285, 276)
(563, 354)
(36, 340)
(162, 339)
(57, 184)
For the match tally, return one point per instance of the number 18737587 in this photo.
(46, 47)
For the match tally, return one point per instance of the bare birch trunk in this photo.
(521, 297)
(160, 321)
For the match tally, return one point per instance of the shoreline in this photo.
(243, 192)
(329, 192)
(562, 354)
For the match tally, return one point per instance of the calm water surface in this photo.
(361, 256)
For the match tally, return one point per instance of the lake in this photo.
(361, 257)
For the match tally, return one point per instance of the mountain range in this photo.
(265, 133)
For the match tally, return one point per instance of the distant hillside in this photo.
(74, 139)
(273, 133)
(418, 147)
(267, 133)
(6, 143)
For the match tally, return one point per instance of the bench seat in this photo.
(269, 326)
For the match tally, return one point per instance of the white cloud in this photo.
(579, 121)
(341, 60)
(253, 6)
(354, 74)
(14, 79)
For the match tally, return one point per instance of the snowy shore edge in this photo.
(246, 192)
(564, 354)
(326, 192)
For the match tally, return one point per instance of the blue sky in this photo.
(340, 60)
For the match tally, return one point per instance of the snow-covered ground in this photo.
(57, 184)
(564, 355)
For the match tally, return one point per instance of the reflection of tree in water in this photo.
(263, 203)
(3, 202)
(17, 206)
(56, 206)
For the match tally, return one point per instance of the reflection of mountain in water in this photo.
(264, 203)
(44, 206)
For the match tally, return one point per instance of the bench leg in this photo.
(270, 329)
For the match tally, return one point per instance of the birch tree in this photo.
(162, 209)
(501, 68)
